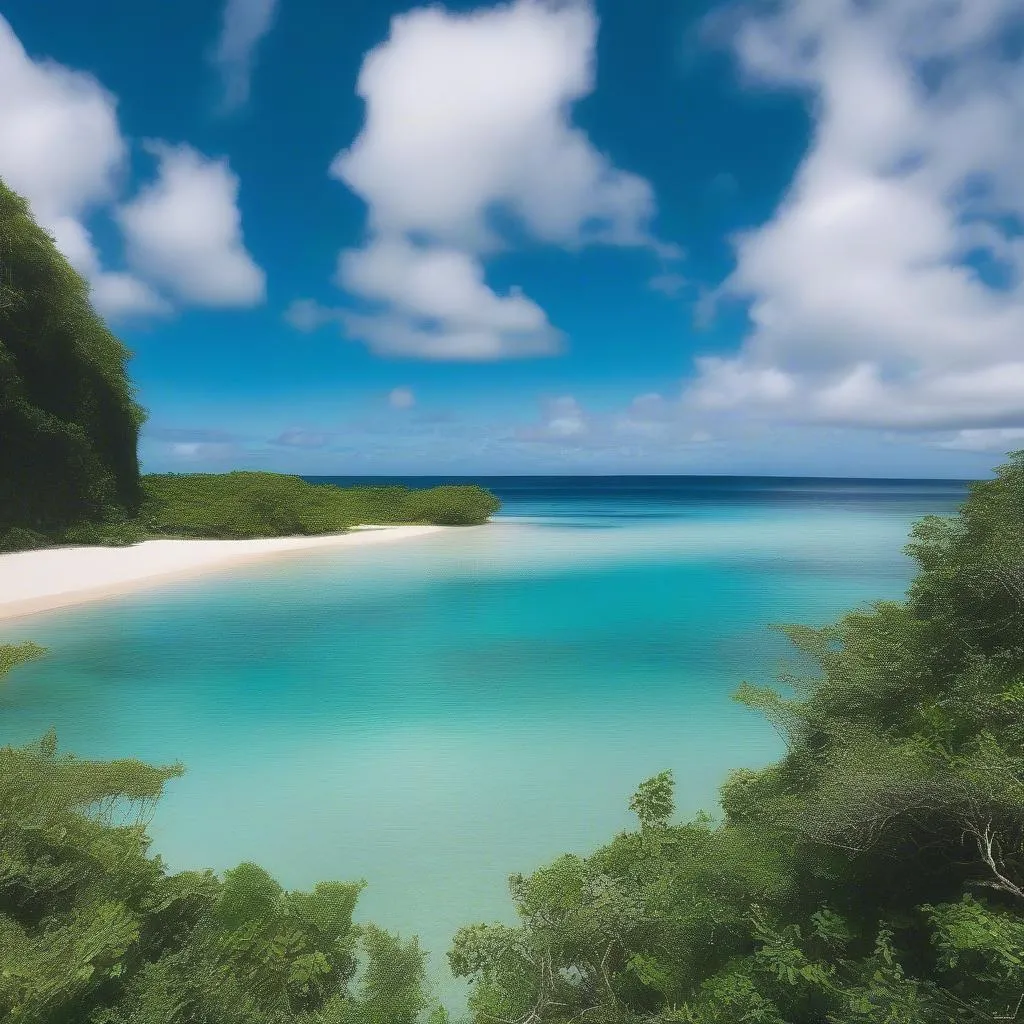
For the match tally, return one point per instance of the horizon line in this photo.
(635, 476)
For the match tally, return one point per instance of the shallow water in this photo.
(439, 713)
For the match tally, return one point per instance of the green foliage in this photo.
(874, 874)
(12, 655)
(245, 504)
(654, 803)
(68, 418)
(450, 505)
(93, 930)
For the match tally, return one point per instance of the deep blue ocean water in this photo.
(436, 714)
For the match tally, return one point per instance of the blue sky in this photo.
(545, 237)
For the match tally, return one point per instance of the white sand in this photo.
(37, 581)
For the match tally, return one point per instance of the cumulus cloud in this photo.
(467, 114)
(996, 440)
(888, 288)
(401, 398)
(465, 111)
(244, 24)
(184, 231)
(439, 304)
(61, 147)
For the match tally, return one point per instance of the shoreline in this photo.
(33, 582)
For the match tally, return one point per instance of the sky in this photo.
(360, 238)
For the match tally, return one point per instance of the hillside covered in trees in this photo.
(69, 421)
(69, 426)
(874, 874)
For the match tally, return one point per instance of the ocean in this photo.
(436, 714)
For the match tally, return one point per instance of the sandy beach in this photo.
(38, 581)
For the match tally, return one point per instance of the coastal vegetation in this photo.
(274, 504)
(68, 416)
(248, 505)
(69, 425)
(93, 930)
(873, 874)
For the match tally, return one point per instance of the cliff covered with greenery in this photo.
(68, 419)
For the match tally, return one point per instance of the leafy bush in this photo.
(19, 539)
(451, 505)
(244, 505)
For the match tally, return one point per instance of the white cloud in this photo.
(865, 308)
(563, 421)
(120, 296)
(650, 430)
(60, 144)
(401, 398)
(184, 231)
(465, 111)
(467, 114)
(61, 148)
(565, 418)
(440, 304)
(984, 440)
(201, 450)
(244, 24)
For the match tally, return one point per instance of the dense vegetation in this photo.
(273, 504)
(874, 874)
(68, 419)
(243, 504)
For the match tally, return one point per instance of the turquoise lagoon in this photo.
(436, 714)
